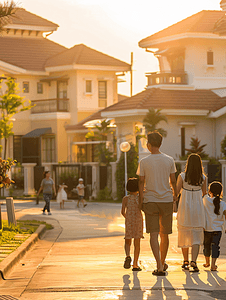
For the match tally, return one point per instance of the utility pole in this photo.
(131, 76)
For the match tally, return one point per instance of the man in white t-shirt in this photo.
(157, 175)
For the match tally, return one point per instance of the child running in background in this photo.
(133, 223)
(215, 210)
(81, 192)
(61, 195)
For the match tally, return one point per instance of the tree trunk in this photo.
(4, 157)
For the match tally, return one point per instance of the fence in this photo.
(69, 174)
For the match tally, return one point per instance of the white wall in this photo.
(201, 75)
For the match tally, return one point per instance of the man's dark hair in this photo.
(155, 139)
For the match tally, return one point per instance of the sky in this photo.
(116, 27)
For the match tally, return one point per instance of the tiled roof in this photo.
(23, 17)
(171, 99)
(95, 116)
(83, 55)
(28, 53)
(203, 21)
(79, 126)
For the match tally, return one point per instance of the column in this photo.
(29, 178)
(95, 179)
(113, 180)
(223, 164)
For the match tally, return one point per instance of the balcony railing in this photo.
(167, 78)
(50, 105)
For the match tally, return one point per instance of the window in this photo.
(25, 86)
(48, 149)
(39, 88)
(62, 89)
(102, 93)
(210, 58)
(88, 86)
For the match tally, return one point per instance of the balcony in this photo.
(50, 105)
(167, 78)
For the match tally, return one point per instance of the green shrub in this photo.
(104, 195)
(223, 147)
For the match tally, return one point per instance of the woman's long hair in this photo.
(216, 189)
(194, 170)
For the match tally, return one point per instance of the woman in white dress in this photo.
(191, 214)
(61, 195)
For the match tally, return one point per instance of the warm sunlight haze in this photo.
(115, 27)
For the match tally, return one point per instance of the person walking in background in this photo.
(191, 214)
(61, 195)
(157, 172)
(215, 210)
(133, 223)
(48, 188)
(81, 192)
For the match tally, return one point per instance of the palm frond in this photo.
(8, 9)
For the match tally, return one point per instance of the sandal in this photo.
(165, 267)
(185, 265)
(215, 269)
(158, 273)
(206, 265)
(127, 262)
(136, 269)
(194, 266)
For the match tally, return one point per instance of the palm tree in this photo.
(7, 9)
(153, 117)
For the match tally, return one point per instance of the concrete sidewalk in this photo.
(82, 258)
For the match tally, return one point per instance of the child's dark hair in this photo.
(132, 185)
(44, 174)
(194, 170)
(216, 189)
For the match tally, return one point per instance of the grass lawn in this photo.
(11, 236)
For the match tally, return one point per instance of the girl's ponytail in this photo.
(216, 189)
(216, 203)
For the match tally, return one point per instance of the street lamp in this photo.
(125, 147)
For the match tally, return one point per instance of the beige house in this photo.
(65, 85)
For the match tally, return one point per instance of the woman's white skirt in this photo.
(188, 236)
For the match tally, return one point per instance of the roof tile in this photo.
(83, 55)
(203, 21)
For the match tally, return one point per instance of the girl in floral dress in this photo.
(133, 223)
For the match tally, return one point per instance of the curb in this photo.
(7, 264)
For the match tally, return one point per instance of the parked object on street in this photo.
(48, 187)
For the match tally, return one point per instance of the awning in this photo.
(38, 132)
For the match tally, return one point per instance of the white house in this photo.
(190, 86)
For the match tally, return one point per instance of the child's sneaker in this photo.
(127, 262)
(49, 213)
(43, 213)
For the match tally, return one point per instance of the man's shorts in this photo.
(158, 217)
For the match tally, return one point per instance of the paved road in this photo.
(82, 258)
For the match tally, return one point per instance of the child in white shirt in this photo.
(81, 192)
(215, 211)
